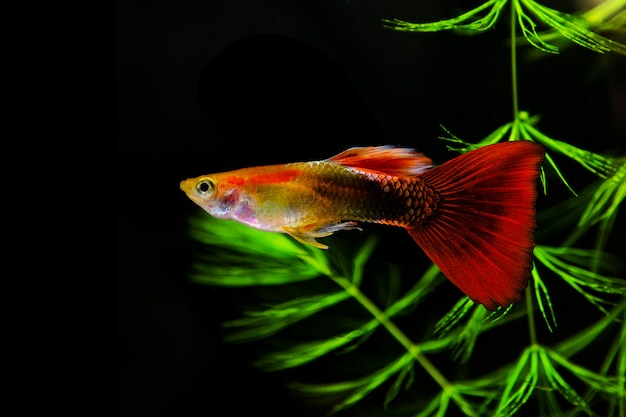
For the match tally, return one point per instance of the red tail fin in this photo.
(482, 237)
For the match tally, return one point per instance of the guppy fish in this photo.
(474, 216)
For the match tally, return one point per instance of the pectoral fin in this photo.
(308, 234)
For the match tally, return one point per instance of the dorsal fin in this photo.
(387, 159)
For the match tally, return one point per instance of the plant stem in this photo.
(531, 317)
(411, 347)
(513, 24)
(515, 131)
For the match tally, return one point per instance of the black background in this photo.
(206, 86)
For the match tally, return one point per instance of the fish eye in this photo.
(206, 186)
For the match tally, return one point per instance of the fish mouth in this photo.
(185, 185)
(188, 187)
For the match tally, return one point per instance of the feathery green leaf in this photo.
(572, 264)
(578, 29)
(543, 300)
(261, 324)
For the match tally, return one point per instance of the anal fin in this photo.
(307, 234)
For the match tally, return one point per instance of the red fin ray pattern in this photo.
(385, 159)
(482, 238)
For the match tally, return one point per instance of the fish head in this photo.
(218, 198)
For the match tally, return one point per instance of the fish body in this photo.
(310, 199)
(473, 216)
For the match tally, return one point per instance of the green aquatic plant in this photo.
(582, 29)
(371, 322)
(235, 250)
